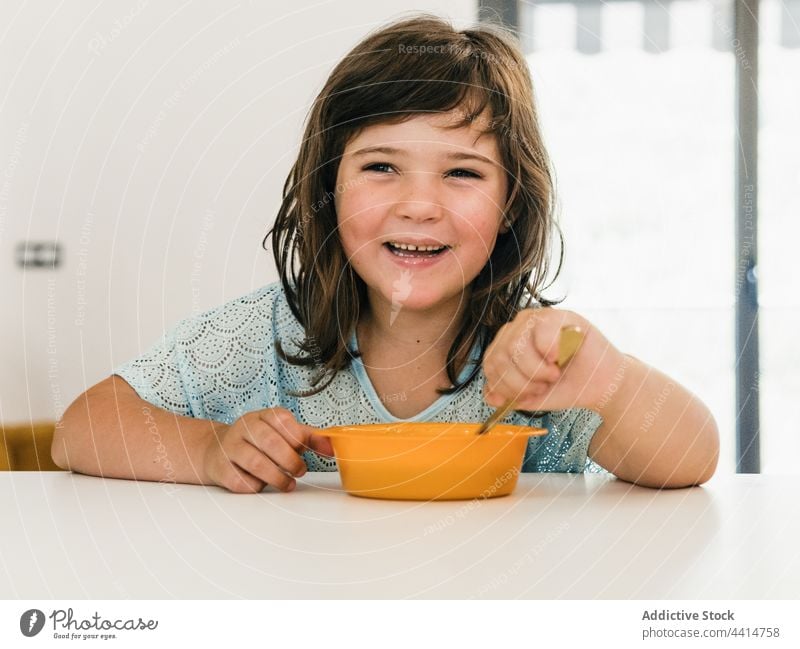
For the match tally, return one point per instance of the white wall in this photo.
(152, 142)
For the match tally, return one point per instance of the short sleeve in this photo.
(564, 449)
(216, 365)
(159, 375)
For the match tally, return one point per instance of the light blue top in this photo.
(223, 363)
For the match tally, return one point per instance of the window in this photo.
(638, 108)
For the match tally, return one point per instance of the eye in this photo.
(464, 173)
(380, 167)
(385, 167)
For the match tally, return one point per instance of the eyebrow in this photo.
(453, 155)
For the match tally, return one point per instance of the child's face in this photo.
(426, 186)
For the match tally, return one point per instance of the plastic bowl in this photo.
(429, 461)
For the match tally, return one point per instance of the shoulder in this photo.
(266, 301)
(254, 316)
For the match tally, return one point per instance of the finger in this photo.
(236, 480)
(499, 341)
(320, 444)
(514, 344)
(515, 386)
(548, 334)
(271, 443)
(495, 370)
(283, 421)
(534, 398)
(545, 399)
(535, 388)
(257, 464)
(299, 436)
(533, 365)
(522, 365)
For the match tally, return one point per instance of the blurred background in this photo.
(143, 148)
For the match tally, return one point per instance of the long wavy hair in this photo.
(413, 66)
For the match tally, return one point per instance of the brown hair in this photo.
(412, 66)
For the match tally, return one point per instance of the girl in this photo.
(412, 246)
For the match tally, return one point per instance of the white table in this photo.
(69, 536)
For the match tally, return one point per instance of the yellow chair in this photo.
(5, 461)
(26, 447)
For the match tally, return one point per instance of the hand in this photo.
(260, 448)
(520, 364)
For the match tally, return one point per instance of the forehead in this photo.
(423, 132)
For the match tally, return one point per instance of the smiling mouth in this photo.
(411, 250)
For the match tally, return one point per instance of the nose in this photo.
(419, 198)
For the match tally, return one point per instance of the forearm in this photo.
(110, 431)
(655, 432)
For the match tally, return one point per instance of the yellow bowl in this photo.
(429, 461)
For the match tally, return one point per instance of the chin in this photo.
(417, 300)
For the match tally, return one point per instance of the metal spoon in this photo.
(570, 339)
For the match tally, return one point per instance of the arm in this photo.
(655, 432)
(110, 431)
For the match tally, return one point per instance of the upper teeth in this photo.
(408, 246)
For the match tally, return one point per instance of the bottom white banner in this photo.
(387, 623)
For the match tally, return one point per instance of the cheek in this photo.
(352, 202)
(481, 223)
(356, 228)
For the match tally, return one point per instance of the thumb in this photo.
(316, 443)
(320, 444)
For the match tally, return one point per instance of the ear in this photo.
(505, 225)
